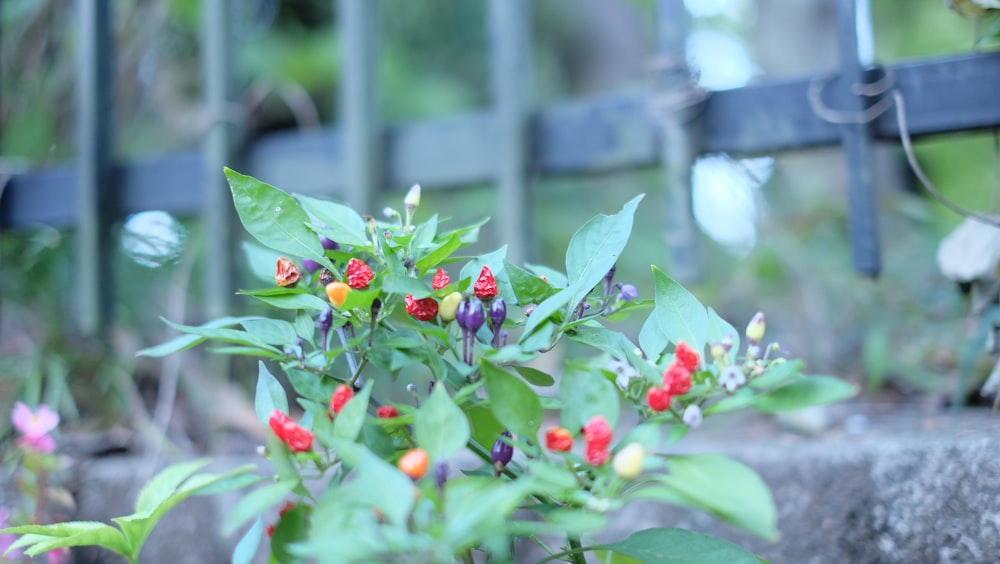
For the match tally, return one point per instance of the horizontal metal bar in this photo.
(582, 136)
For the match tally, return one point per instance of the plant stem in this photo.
(468, 558)
(576, 555)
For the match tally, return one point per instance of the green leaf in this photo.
(247, 547)
(189, 340)
(584, 395)
(596, 246)
(305, 326)
(270, 395)
(294, 299)
(260, 260)
(484, 425)
(225, 335)
(342, 223)
(731, 491)
(255, 503)
(37, 539)
(384, 485)
(679, 546)
(544, 311)
(477, 505)
(274, 218)
(347, 424)
(809, 391)
(528, 288)
(513, 402)
(576, 522)
(271, 331)
(652, 339)
(443, 251)
(440, 427)
(165, 484)
(399, 283)
(679, 315)
(535, 376)
(743, 397)
(776, 374)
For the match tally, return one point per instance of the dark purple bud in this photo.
(440, 473)
(325, 319)
(470, 315)
(310, 265)
(329, 244)
(498, 314)
(628, 292)
(608, 278)
(502, 452)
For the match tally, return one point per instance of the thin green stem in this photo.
(577, 556)
(575, 552)
(468, 558)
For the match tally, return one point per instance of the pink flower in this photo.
(57, 556)
(35, 427)
(7, 540)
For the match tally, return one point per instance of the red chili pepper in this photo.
(596, 455)
(687, 357)
(441, 279)
(658, 399)
(424, 309)
(387, 412)
(597, 432)
(295, 437)
(358, 274)
(340, 397)
(558, 439)
(486, 286)
(677, 379)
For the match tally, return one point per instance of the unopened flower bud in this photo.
(628, 462)
(329, 244)
(608, 278)
(756, 328)
(325, 320)
(412, 199)
(727, 342)
(502, 452)
(628, 293)
(310, 266)
(440, 473)
(498, 314)
(692, 416)
(388, 212)
(470, 314)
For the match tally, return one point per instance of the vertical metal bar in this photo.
(95, 192)
(679, 140)
(509, 35)
(359, 102)
(218, 214)
(858, 146)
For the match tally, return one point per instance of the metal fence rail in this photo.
(503, 144)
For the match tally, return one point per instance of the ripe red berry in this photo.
(295, 437)
(440, 280)
(340, 397)
(424, 309)
(558, 439)
(677, 379)
(486, 286)
(687, 357)
(387, 412)
(596, 455)
(658, 399)
(597, 432)
(358, 274)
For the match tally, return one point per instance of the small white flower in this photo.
(731, 378)
(624, 372)
(692, 416)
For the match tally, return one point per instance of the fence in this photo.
(666, 127)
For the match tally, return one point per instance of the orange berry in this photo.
(414, 463)
(337, 292)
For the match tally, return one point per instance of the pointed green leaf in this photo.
(347, 424)
(586, 394)
(596, 246)
(440, 427)
(513, 402)
(776, 374)
(809, 391)
(270, 395)
(247, 547)
(189, 340)
(341, 223)
(255, 503)
(274, 218)
(679, 315)
(535, 376)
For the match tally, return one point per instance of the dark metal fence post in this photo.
(95, 195)
(675, 105)
(857, 141)
(509, 34)
(218, 213)
(359, 102)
